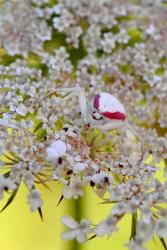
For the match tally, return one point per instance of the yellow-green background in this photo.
(22, 230)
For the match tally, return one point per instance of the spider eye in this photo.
(96, 116)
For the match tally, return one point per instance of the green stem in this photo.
(163, 243)
(76, 207)
(133, 228)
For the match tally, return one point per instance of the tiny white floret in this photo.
(57, 149)
(21, 110)
(79, 167)
(78, 230)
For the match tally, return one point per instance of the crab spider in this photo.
(105, 112)
(103, 105)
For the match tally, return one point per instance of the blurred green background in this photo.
(22, 230)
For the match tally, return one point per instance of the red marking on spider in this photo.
(114, 116)
(96, 101)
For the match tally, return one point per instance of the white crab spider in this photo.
(104, 106)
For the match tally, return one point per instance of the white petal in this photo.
(51, 154)
(80, 166)
(6, 123)
(70, 235)
(67, 192)
(101, 229)
(59, 146)
(22, 110)
(69, 222)
(161, 228)
(81, 237)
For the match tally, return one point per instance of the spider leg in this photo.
(68, 96)
(131, 128)
(116, 124)
(108, 136)
(75, 91)
(67, 90)
(83, 105)
(106, 127)
(111, 125)
(65, 98)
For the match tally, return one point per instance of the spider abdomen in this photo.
(109, 106)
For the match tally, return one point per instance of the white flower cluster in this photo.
(117, 47)
(29, 33)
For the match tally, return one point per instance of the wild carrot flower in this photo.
(68, 72)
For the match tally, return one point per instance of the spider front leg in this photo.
(135, 133)
(83, 104)
(127, 125)
(75, 91)
(118, 124)
(111, 125)
(108, 126)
